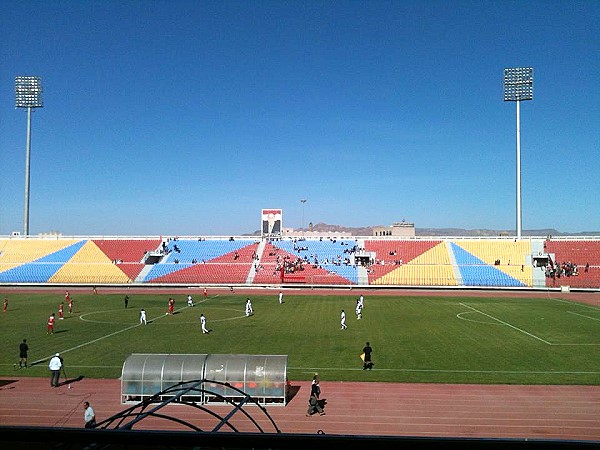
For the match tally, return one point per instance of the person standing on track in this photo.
(313, 401)
(89, 416)
(55, 365)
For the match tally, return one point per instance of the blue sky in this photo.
(189, 117)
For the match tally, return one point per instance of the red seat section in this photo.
(209, 272)
(268, 270)
(126, 250)
(584, 255)
(128, 254)
(389, 254)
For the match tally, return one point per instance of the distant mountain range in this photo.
(368, 231)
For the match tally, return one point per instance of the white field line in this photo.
(93, 341)
(507, 324)
(312, 370)
(581, 305)
(583, 315)
(532, 335)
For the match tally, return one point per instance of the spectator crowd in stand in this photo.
(565, 269)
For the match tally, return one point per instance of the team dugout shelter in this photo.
(222, 377)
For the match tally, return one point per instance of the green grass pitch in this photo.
(414, 339)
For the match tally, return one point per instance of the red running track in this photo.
(385, 409)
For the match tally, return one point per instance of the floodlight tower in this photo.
(518, 86)
(303, 201)
(28, 94)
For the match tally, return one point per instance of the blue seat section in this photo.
(475, 272)
(187, 250)
(30, 273)
(190, 249)
(42, 269)
(63, 255)
(348, 272)
(162, 269)
(330, 254)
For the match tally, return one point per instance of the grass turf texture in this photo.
(414, 339)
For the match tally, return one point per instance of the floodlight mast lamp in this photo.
(303, 201)
(28, 94)
(518, 86)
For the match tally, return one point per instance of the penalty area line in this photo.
(507, 324)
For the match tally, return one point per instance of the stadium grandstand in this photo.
(448, 262)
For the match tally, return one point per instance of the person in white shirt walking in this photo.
(89, 416)
(203, 323)
(343, 320)
(143, 316)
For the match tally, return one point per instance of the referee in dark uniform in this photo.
(23, 349)
(368, 363)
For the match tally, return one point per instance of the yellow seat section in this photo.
(509, 252)
(432, 268)
(436, 255)
(523, 274)
(89, 265)
(512, 255)
(419, 275)
(15, 252)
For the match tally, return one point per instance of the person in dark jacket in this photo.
(314, 405)
(368, 362)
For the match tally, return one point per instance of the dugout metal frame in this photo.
(223, 376)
